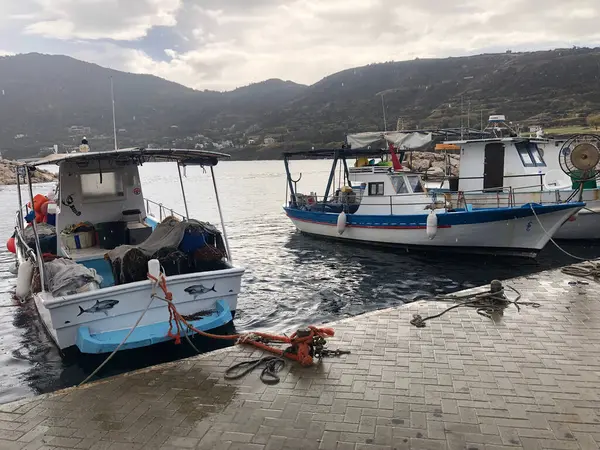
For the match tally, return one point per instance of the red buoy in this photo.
(10, 245)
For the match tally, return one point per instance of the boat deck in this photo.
(529, 379)
(86, 254)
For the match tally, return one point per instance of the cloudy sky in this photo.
(222, 44)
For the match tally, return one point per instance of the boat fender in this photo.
(24, 277)
(341, 223)
(432, 224)
(10, 245)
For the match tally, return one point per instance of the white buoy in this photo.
(431, 225)
(154, 268)
(341, 223)
(24, 278)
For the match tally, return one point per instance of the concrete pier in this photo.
(529, 379)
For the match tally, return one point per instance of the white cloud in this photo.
(228, 43)
(102, 19)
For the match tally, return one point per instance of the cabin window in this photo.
(415, 183)
(399, 184)
(530, 154)
(376, 188)
(108, 186)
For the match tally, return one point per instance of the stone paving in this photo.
(524, 380)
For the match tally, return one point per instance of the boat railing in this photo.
(499, 197)
(370, 169)
(163, 211)
(22, 246)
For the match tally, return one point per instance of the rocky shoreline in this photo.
(434, 164)
(8, 169)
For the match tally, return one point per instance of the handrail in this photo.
(162, 209)
(20, 241)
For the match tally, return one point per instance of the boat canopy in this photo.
(401, 140)
(183, 157)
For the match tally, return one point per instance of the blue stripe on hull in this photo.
(419, 221)
(146, 335)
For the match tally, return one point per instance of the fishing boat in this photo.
(85, 254)
(378, 201)
(505, 169)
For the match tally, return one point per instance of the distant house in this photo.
(535, 128)
(269, 141)
(20, 136)
(251, 141)
(76, 130)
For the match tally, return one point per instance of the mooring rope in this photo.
(589, 270)
(552, 240)
(486, 303)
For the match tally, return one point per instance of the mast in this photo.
(383, 109)
(112, 95)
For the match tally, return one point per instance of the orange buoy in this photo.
(10, 245)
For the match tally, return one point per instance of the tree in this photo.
(593, 120)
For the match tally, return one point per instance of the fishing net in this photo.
(65, 277)
(173, 261)
(173, 243)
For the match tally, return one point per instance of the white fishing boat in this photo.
(90, 282)
(513, 171)
(381, 203)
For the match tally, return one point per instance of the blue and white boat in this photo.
(94, 289)
(381, 203)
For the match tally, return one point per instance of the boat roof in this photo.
(325, 153)
(139, 155)
(499, 139)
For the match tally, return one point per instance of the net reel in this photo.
(579, 157)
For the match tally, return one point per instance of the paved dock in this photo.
(526, 380)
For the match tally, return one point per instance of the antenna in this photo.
(461, 118)
(383, 109)
(112, 95)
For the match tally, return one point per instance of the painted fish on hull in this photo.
(199, 289)
(100, 306)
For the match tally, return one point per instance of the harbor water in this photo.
(291, 280)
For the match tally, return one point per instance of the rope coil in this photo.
(486, 303)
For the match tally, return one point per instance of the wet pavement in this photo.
(523, 379)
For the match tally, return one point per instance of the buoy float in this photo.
(10, 245)
(432, 223)
(24, 277)
(341, 223)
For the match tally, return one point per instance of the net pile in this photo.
(130, 263)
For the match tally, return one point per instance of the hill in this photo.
(54, 99)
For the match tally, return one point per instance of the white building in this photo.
(269, 141)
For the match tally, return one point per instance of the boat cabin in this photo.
(497, 163)
(361, 181)
(99, 206)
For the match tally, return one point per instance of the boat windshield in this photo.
(415, 183)
(399, 184)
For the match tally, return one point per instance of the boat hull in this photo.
(96, 321)
(510, 231)
(586, 226)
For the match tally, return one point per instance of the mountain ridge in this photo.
(49, 99)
